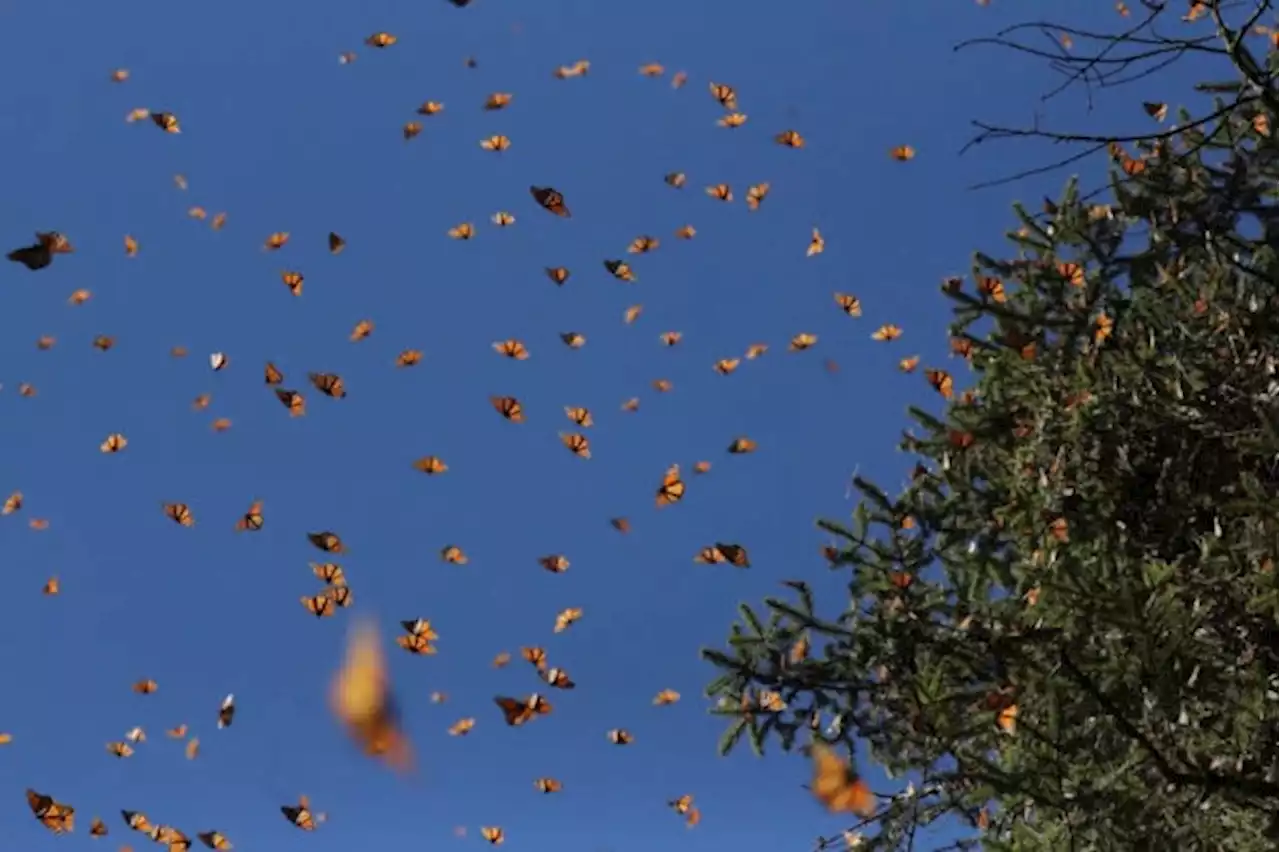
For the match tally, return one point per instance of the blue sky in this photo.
(281, 136)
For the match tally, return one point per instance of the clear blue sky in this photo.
(281, 136)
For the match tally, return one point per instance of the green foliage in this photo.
(1090, 535)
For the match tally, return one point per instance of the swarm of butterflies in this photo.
(361, 695)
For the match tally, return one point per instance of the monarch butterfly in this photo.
(909, 364)
(330, 573)
(653, 69)
(497, 100)
(686, 232)
(301, 815)
(670, 338)
(79, 297)
(720, 192)
(328, 541)
(556, 563)
(851, 305)
(642, 245)
(559, 678)
(566, 617)
(361, 698)
(52, 814)
(336, 243)
(678, 79)
(103, 342)
(621, 270)
(941, 381)
(417, 643)
(40, 254)
(789, 139)
(408, 358)
(177, 734)
(816, 244)
(511, 348)
(492, 833)
(497, 143)
(321, 606)
(292, 400)
(509, 407)
(114, 443)
(577, 444)
(97, 828)
(665, 697)
(632, 313)
(622, 525)
(836, 787)
(672, 488)
(756, 195)
(802, 341)
(166, 121)
(725, 366)
(661, 385)
(329, 384)
(119, 749)
(453, 555)
(419, 627)
(577, 69)
(292, 280)
(558, 274)
(119, 75)
(742, 445)
(992, 288)
(362, 329)
(227, 711)
(684, 807)
(214, 840)
(573, 339)
(755, 350)
(886, 333)
(251, 520)
(136, 735)
(536, 657)
(465, 231)
(381, 39)
(733, 119)
(902, 153)
(145, 687)
(724, 95)
(503, 219)
(1073, 273)
(130, 246)
(620, 737)
(411, 129)
(501, 659)
(276, 241)
(219, 219)
(518, 711)
(430, 465)
(430, 108)
(550, 199)
(462, 727)
(272, 375)
(179, 513)
(701, 467)
(631, 405)
(579, 416)
(46, 342)
(340, 595)
(546, 785)
(675, 179)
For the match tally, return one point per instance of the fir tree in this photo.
(1063, 632)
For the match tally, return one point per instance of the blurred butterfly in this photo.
(166, 121)
(849, 304)
(566, 617)
(327, 541)
(294, 281)
(114, 443)
(836, 787)
(511, 348)
(40, 254)
(558, 274)
(733, 119)
(362, 329)
(453, 555)
(301, 815)
(276, 241)
(329, 384)
(381, 39)
(498, 100)
(573, 339)
(720, 192)
(620, 737)
(179, 513)
(675, 179)
(360, 696)
(498, 143)
(672, 488)
(789, 139)
(902, 153)
(665, 697)
(408, 358)
(336, 243)
(577, 444)
(292, 400)
(518, 711)
(215, 840)
(272, 375)
(59, 818)
(756, 195)
(802, 341)
(724, 95)
(816, 244)
(430, 465)
(886, 333)
(493, 834)
(251, 520)
(620, 270)
(547, 785)
(741, 446)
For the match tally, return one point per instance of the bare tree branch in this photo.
(1091, 60)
